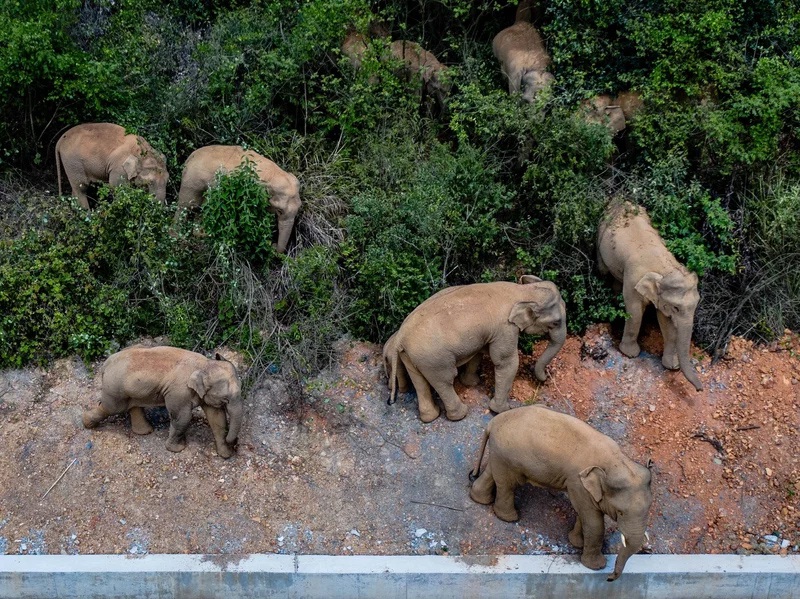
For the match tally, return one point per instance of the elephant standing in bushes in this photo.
(548, 449)
(633, 252)
(103, 153)
(614, 113)
(455, 327)
(523, 59)
(418, 61)
(283, 188)
(140, 377)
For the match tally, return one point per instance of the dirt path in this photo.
(347, 474)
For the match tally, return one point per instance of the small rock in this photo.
(355, 533)
(770, 539)
(419, 532)
(785, 543)
(652, 407)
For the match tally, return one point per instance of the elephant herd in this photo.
(103, 153)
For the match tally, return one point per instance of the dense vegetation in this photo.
(401, 197)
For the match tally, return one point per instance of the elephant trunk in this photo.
(633, 543)
(234, 409)
(159, 190)
(683, 342)
(285, 224)
(557, 338)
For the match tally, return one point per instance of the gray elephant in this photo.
(138, 377)
(454, 328)
(283, 188)
(614, 113)
(553, 450)
(104, 153)
(633, 252)
(418, 61)
(523, 59)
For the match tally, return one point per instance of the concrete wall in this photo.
(308, 576)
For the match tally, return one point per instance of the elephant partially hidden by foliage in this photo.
(104, 153)
(614, 113)
(283, 188)
(633, 252)
(139, 377)
(523, 59)
(537, 445)
(454, 328)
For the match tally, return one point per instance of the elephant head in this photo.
(543, 313)
(675, 296)
(623, 492)
(217, 385)
(147, 168)
(603, 110)
(535, 81)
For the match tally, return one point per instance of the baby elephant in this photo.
(140, 377)
(549, 449)
(523, 59)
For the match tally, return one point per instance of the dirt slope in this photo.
(347, 474)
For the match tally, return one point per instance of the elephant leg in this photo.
(428, 410)
(483, 489)
(468, 374)
(629, 346)
(576, 534)
(515, 81)
(506, 482)
(179, 419)
(506, 363)
(139, 423)
(455, 409)
(670, 356)
(219, 426)
(79, 187)
(91, 418)
(593, 529)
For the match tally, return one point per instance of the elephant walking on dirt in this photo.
(633, 252)
(283, 188)
(455, 327)
(548, 449)
(104, 153)
(138, 377)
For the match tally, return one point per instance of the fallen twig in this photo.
(747, 428)
(455, 509)
(60, 477)
(715, 442)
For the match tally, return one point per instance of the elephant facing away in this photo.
(523, 59)
(283, 188)
(548, 449)
(418, 61)
(633, 252)
(452, 330)
(138, 377)
(104, 153)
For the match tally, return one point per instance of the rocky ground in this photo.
(344, 473)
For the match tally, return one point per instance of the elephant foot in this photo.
(141, 428)
(402, 388)
(429, 415)
(497, 406)
(575, 539)
(594, 561)
(670, 362)
(629, 349)
(469, 379)
(224, 451)
(506, 515)
(176, 446)
(481, 496)
(458, 413)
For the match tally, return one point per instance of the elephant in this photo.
(614, 113)
(548, 449)
(454, 328)
(283, 188)
(418, 61)
(354, 47)
(103, 153)
(139, 377)
(632, 251)
(523, 59)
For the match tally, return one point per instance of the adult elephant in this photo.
(283, 188)
(104, 153)
(553, 450)
(456, 326)
(138, 377)
(633, 252)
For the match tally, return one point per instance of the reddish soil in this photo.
(343, 473)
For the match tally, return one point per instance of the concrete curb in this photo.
(270, 575)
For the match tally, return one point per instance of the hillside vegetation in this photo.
(401, 196)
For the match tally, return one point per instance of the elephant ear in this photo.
(526, 279)
(199, 382)
(523, 314)
(594, 481)
(131, 167)
(649, 287)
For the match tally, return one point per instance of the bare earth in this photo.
(347, 474)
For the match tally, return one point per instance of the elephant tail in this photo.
(473, 475)
(393, 359)
(58, 165)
